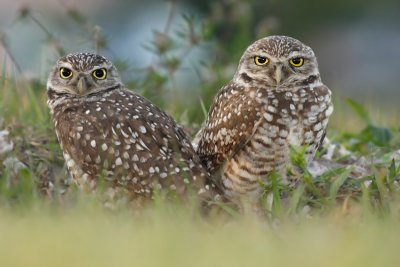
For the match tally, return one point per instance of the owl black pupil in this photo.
(99, 73)
(261, 59)
(66, 72)
(296, 60)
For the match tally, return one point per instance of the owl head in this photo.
(83, 74)
(277, 61)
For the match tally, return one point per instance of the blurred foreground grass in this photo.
(97, 238)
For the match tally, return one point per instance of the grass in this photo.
(347, 216)
(97, 238)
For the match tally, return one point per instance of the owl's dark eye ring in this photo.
(100, 74)
(65, 73)
(260, 61)
(297, 61)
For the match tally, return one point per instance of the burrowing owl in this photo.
(275, 100)
(108, 131)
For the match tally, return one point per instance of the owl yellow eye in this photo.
(65, 73)
(100, 74)
(297, 61)
(260, 61)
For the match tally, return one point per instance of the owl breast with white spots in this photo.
(275, 100)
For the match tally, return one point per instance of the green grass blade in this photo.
(335, 186)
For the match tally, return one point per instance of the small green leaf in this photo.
(77, 16)
(310, 185)
(297, 156)
(295, 199)
(203, 108)
(277, 204)
(379, 136)
(359, 110)
(339, 181)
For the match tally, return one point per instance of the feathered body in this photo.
(275, 100)
(111, 133)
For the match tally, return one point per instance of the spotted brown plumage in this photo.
(275, 100)
(111, 133)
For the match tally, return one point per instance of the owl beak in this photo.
(82, 86)
(278, 74)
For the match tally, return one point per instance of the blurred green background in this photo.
(179, 54)
(357, 42)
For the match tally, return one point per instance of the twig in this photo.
(171, 16)
(41, 26)
(8, 52)
(49, 35)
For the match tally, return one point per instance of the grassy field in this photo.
(345, 216)
(90, 237)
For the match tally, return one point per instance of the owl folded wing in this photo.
(232, 121)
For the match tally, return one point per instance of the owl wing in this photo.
(232, 121)
(316, 112)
